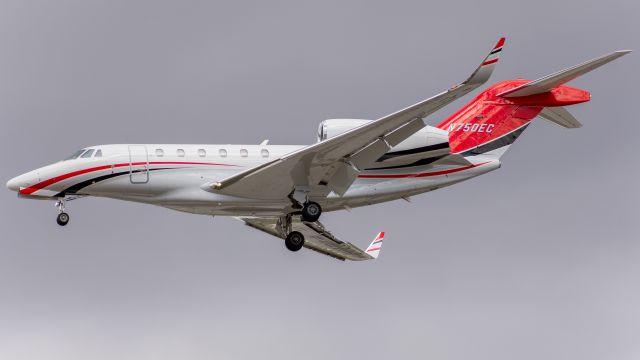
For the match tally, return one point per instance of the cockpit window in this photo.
(98, 153)
(75, 154)
(88, 153)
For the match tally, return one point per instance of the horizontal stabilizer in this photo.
(560, 116)
(552, 81)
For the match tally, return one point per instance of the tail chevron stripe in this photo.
(376, 245)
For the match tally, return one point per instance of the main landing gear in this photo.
(311, 211)
(294, 241)
(63, 217)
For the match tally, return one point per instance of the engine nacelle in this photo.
(426, 143)
(332, 127)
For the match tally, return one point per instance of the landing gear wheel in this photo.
(311, 211)
(63, 219)
(294, 241)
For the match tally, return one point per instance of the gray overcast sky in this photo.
(539, 260)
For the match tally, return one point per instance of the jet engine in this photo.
(332, 127)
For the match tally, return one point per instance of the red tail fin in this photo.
(496, 117)
(491, 123)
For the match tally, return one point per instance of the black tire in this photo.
(311, 212)
(62, 219)
(294, 241)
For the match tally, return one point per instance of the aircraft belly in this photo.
(366, 191)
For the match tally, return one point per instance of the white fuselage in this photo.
(173, 176)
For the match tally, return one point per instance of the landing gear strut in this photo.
(294, 241)
(63, 217)
(311, 211)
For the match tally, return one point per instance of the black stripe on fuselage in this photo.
(393, 154)
(420, 162)
(502, 141)
(83, 184)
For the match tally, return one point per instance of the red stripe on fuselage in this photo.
(435, 173)
(53, 180)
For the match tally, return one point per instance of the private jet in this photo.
(283, 189)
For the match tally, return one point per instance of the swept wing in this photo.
(333, 164)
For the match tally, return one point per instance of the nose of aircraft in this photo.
(14, 184)
(18, 182)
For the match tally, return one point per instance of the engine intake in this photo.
(333, 127)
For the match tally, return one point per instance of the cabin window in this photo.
(223, 153)
(264, 153)
(88, 153)
(98, 153)
(244, 152)
(159, 152)
(202, 152)
(180, 152)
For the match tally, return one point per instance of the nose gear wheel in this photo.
(63, 218)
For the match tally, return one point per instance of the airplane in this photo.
(283, 189)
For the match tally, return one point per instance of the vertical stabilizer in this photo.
(490, 123)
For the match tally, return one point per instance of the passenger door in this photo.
(138, 164)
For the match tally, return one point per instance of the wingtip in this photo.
(484, 71)
(376, 245)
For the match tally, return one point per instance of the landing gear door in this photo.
(138, 164)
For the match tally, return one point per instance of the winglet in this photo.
(376, 245)
(483, 72)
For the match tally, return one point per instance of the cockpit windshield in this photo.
(76, 154)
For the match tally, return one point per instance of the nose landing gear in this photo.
(63, 217)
